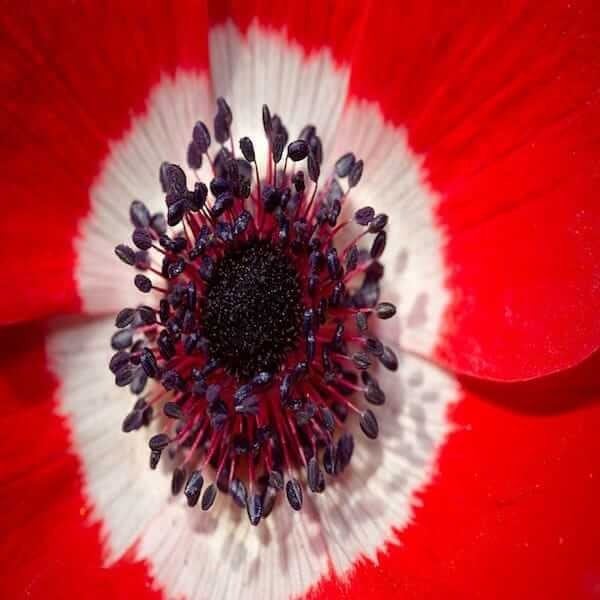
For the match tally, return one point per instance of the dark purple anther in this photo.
(308, 321)
(175, 213)
(172, 410)
(374, 346)
(344, 164)
(378, 245)
(194, 156)
(298, 150)
(148, 363)
(154, 458)
(132, 422)
(267, 120)
(355, 173)
(385, 310)
(254, 508)
(201, 137)
(248, 406)
(316, 481)
(141, 239)
(343, 452)
(293, 492)
(197, 198)
(142, 283)
(369, 425)
(147, 315)
(374, 394)
(125, 254)
(124, 377)
(363, 216)
(139, 214)
(378, 223)
(125, 317)
(159, 441)
(352, 259)
(193, 488)
(209, 496)
(308, 132)
(361, 322)
(118, 361)
(175, 182)
(121, 340)
(177, 480)
(389, 359)
(247, 148)
(278, 146)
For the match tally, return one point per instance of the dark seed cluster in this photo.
(253, 309)
(256, 326)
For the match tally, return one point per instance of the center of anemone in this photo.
(262, 346)
(253, 309)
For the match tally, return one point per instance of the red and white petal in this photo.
(240, 66)
(512, 511)
(161, 133)
(50, 548)
(502, 106)
(219, 554)
(262, 66)
(71, 77)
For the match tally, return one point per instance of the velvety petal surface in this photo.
(502, 103)
(72, 75)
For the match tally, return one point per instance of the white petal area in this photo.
(264, 67)
(394, 183)
(219, 554)
(130, 172)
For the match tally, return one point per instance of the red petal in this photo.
(71, 77)
(49, 549)
(503, 105)
(513, 511)
(315, 25)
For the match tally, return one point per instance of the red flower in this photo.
(480, 129)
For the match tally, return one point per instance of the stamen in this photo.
(256, 342)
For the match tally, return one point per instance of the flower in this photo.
(262, 329)
(479, 135)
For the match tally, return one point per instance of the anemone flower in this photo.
(300, 300)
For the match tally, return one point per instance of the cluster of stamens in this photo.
(258, 327)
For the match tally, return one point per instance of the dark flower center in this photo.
(257, 331)
(253, 309)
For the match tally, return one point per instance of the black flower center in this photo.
(253, 309)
